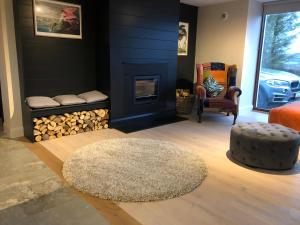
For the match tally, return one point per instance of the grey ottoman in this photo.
(263, 145)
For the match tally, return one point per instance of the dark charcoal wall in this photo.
(142, 32)
(52, 66)
(186, 64)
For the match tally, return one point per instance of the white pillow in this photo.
(69, 99)
(38, 102)
(93, 96)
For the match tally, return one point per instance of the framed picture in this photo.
(183, 39)
(57, 19)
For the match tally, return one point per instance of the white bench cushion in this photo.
(93, 96)
(69, 99)
(38, 102)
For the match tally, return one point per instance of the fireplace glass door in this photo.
(146, 89)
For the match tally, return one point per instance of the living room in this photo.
(139, 112)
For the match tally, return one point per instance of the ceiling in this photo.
(204, 2)
(212, 2)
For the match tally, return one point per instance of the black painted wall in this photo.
(186, 64)
(54, 66)
(142, 32)
(116, 34)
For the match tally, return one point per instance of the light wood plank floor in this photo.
(231, 194)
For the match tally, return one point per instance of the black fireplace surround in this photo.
(140, 98)
(143, 45)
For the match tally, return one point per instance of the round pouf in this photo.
(263, 145)
(136, 170)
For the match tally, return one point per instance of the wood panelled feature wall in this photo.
(116, 34)
(53, 66)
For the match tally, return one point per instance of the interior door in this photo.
(278, 73)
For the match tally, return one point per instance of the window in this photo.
(278, 77)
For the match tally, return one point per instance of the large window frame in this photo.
(275, 7)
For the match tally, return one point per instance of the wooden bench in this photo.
(30, 114)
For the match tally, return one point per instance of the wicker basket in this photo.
(184, 105)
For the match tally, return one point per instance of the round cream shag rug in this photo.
(134, 170)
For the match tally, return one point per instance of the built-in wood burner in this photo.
(146, 89)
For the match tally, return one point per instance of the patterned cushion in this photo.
(213, 89)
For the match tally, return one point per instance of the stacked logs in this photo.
(56, 126)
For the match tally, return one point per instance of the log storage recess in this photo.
(56, 126)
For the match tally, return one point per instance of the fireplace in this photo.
(146, 89)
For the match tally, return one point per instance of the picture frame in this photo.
(57, 19)
(183, 39)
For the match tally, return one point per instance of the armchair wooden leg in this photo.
(200, 117)
(200, 110)
(235, 117)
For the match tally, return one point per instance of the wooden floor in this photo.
(231, 194)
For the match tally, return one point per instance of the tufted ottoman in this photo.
(262, 145)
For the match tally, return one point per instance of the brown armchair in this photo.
(225, 75)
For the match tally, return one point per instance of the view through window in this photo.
(279, 72)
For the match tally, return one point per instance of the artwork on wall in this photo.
(183, 39)
(57, 19)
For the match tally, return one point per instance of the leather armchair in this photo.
(228, 100)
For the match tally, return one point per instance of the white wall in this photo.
(232, 41)
(219, 40)
(9, 75)
(250, 54)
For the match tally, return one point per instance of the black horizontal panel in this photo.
(147, 60)
(147, 44)
(37, 90)
(25, 11)
(144, 22)
(168, 10)
(144, 53)
(132, 32)
(26, 23)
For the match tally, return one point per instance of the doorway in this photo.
(278, 73)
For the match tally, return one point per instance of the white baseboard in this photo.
(13, 132)
(246, 108)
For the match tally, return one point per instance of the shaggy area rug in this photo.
(134, 170)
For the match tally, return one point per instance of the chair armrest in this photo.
(200, 91)
(233, 94)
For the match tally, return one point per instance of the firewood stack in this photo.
(57, 126)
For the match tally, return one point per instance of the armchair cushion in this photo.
(212, 87)
(220, 103)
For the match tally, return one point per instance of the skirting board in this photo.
(13, 132)
(246, 108)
